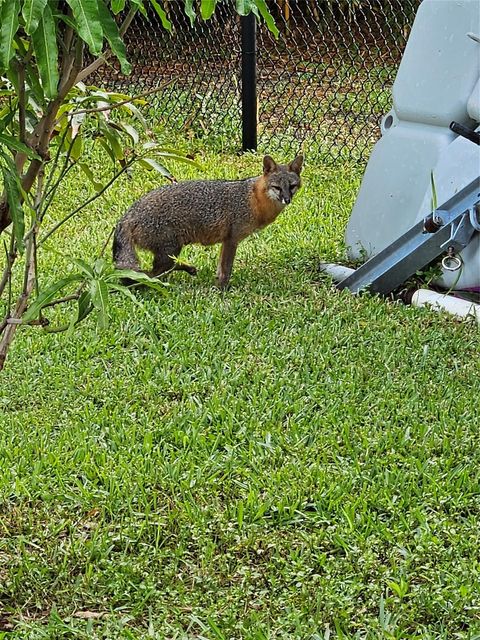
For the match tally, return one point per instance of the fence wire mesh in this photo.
(327, 78)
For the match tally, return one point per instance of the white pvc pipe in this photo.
(441, 302)
(421, 298)
(337, 271)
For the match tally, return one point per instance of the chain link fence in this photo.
(326, 79)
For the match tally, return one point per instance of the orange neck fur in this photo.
(264, 209)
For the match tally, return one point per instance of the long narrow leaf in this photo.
(12, 143)
(90, 175)
(132, 132)
(84, 307)
(99, 294)
(139, 277)
(150, 163)
(267, 16)
(46, 52)
(112, 34)
(135, 111)
(9, 11)
(87, 19)
(32, 11)
(48, 295)
(84, 267)
(166, 24)
(189, 11)
(124, 291)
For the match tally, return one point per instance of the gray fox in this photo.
(205, 212)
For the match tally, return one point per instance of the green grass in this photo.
(279, 461)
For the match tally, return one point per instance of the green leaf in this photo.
(48, 295)
(207, 8)
(98, 186)
(138, 276)
(140, 7)
(104, 143)
(100, 266)
(189, 11)
(88, 23)
(150, 163)
(135, 111)
(112, 34)
(132, 132)
(162, 15)
(66, 19)
(84, 307)
(9, 11)
(46, 52)
(7, 115)
(12, 143)
(32, 11)
(124, 291)
(33, 83)
(114, 140)
(84, 267)
(99, 294)
(117, 6)
(267, 16)
(179, 158)
(76, 149)
(244, 7)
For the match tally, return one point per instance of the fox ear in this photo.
(269, 164)
(296, 165)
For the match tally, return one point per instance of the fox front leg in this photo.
(225, 264)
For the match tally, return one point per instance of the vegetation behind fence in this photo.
(327, 76)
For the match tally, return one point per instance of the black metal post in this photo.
(249, 83)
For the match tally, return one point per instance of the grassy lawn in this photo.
(279, 461)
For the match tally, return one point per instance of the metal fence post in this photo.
(249, 83)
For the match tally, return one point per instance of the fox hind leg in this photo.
(124, 254)
(164, 259)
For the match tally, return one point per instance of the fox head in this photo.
(282, 181)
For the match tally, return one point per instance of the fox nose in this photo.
(285, 200)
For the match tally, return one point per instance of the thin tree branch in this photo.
(22, 301)
(29, 282)
(55, 161)
(11, 257)
(114, 105)
(90, 200)
(74, 296)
